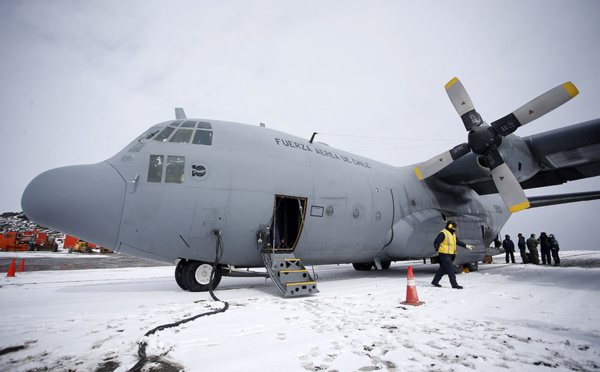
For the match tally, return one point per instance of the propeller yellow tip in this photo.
(571, 89)
(519, 207)
(418, 173)
(450, 83)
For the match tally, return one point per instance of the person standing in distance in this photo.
(545, 248)
(522, 248)
(445, 243)
(532, 244)
(554, 248)
(509, 248)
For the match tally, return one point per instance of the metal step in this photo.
(289, 274)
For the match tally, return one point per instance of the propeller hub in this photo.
(483, 137)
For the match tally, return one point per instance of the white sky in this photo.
(79, 80)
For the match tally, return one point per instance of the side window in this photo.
(175, 169)
(155, 169)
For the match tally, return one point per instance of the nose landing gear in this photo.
(195, 276)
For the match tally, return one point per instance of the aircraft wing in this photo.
(564, 154)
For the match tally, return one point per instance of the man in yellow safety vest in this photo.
(445, 243)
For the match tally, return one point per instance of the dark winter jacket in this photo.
(521, 243)
(553, 244)
(544, 243)
(508, 245)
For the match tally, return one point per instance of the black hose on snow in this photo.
(142, 345)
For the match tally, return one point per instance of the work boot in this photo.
(436, 285)
(457, 286)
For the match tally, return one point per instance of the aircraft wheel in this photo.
(362, 266)
(196, 276)
(473, 266)
(386, 265)
(179, 274)
(458, 269)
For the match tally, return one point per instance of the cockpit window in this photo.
(203, 137)
(182, 136)
(164, 135)
(149, 134)
(188, 124)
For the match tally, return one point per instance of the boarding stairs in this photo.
(289, 274)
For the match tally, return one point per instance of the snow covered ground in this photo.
(517, 317)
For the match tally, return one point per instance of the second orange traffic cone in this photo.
(21, 266)
(411, 290)
(11, 269)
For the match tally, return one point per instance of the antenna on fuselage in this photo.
(313, 137)
(179, 113)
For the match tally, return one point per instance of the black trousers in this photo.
(512, 256)
(546, 256)
(555, 256)
(446, 267)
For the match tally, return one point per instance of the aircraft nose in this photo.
(85, 201)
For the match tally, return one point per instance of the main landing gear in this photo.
(472, 266)
(195, 276)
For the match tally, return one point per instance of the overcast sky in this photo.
(80, 79)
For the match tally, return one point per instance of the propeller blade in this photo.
(535, 108)
(508, 187)
(437, 163)
(462, 104)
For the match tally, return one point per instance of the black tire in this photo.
(179, 274)
(385, 265)
(458, 269)
(196, 276)
(363, 266)
(473, 266)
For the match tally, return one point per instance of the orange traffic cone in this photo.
(411, 290)
(11, 269)
(21, 266)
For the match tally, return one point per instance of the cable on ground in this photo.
(142, 344)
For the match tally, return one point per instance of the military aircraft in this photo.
(215, 197)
